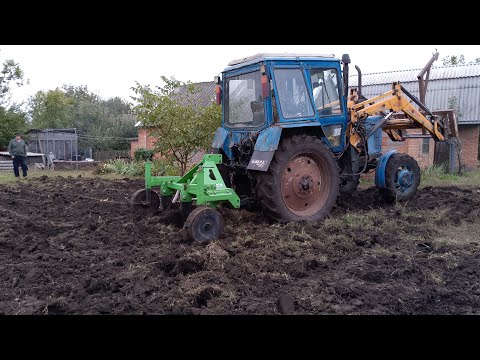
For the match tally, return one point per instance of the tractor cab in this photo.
(267, 94)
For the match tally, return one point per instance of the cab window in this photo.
(292, 94)
(325, 91)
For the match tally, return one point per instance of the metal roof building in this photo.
(445, 83)
(203, 94)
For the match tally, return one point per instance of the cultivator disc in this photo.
(145, 204)
(204, 224)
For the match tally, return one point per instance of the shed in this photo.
(63, 143)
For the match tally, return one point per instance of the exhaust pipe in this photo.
(345, 61)
(359, 90)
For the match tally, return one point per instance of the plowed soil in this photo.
(74, 246)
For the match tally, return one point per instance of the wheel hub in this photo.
(306, 184)
(302, 185)
(204, 224)
(405, 178)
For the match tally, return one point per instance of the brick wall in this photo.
(469, 138)
(145, 141)
(413, 147)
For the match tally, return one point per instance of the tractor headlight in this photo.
(333, 133)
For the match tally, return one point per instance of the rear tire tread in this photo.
(268, 183)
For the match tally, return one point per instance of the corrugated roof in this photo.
(203, 94)
(69, 131)
(460, 83)
(436, 73)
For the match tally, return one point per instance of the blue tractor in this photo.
(294, 137)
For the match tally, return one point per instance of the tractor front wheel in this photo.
(302, 182)
(402, 177)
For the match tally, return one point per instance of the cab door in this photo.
(329, 104)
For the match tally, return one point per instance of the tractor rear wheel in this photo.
(402, 177)
(141, 206)
(302, 182)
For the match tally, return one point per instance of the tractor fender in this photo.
(265, 147)
(268, 139)
(380, 171)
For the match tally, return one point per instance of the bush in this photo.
(164, 167)
(121, 167)
(137, 168)
(143, 154)
(160, 167)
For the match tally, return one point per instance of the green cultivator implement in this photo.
(202, 185)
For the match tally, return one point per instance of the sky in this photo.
(111, 70)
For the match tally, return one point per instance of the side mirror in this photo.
(218, 94)
(218, 89)
(315, 84)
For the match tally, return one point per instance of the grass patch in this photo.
(461, 234)
(437, 178)
(7, 177)
(434, 176)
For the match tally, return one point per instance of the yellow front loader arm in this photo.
(394, 101)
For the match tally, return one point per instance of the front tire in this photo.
(302, 182)
(402, 178)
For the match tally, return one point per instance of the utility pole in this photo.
(76, 149)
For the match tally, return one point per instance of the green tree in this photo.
(177, 119)
(453, 60)
(11, 73)
(457, 60)
(12, 120)
(101, 124)
(51, 110)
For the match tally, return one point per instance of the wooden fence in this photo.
(110, 154)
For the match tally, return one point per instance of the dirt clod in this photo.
(286, 304)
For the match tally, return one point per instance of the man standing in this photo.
(18, 151)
